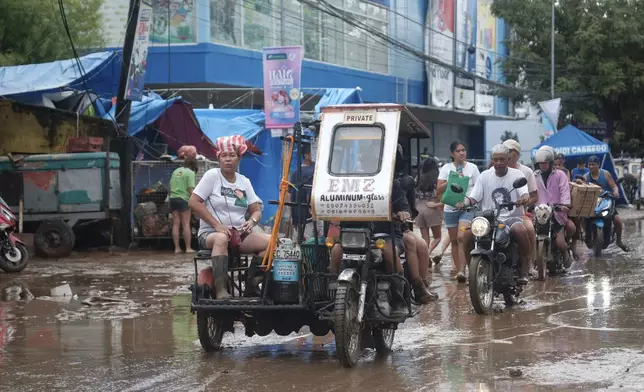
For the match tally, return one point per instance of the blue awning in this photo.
(145, 112)
(338, 96)
(26, 83)
(216, 123)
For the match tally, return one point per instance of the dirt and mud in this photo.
(580, 331)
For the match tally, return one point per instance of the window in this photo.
(357, 150)
(255, 24)
(225, 25)
(258, 24)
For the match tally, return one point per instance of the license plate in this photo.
(285, 271)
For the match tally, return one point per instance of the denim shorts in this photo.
(452, 218)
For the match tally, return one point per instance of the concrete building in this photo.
(208, 44)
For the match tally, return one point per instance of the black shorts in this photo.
(178, 204)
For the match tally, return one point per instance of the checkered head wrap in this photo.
(234, 143)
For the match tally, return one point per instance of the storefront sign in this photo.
(139, 61)
(465, 54)
(486, 41)
(282, 72)
(439, 41)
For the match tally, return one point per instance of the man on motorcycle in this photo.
(494, 187)
(401, 209)
(515, 154)
(553, 188)
(603, 178)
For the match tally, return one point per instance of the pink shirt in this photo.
(557, 191)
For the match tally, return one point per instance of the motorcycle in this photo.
(600, 230)
(365, 295)
(13, 253)
(548, 256)
(494, 264)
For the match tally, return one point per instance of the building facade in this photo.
(377, 45)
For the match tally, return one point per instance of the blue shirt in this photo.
(579, 172)
(601, 180)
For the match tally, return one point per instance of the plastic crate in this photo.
(316, 260)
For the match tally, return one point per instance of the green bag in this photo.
(450, 197)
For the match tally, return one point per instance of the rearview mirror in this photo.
(519, 182)
(456, 188)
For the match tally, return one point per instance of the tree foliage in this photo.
(599, 57)
(32, 31)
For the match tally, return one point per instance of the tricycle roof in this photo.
(410, 125)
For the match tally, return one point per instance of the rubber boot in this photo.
(398, 303)
(421, 293)
(253, 278)
(220, 276)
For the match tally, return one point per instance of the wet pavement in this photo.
(581, 331)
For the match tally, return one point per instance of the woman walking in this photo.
(457, 221)
(430, 209)
(182, 183)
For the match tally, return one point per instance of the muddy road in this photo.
(581, 331)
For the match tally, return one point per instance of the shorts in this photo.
(509, 222)
(178, 204)
(453, 218)
(204, 236)
(398, 242)
(428, 217)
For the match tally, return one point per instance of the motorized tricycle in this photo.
(352, 183)
(548, 257)
(494, 263)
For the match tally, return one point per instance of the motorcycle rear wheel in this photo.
(481, 290)
(210, 331)
(14, 262)
(383, 339)
(347, 329)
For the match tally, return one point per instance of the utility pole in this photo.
(124, 142)
(552, 52)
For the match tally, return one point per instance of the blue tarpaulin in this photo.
(216, 123)
(338, 96)
(26, 83)
(145, 112)
(577, 144)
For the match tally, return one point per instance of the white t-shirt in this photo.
(469, 170)
(529, 175)
(227, 202)
(491, 190)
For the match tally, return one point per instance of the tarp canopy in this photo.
(145, 112)
(575, 143)
(338, 96)
(27, 83)
(216, 123)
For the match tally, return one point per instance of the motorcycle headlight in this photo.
(480, 227)
(604, 213)
(353, 240)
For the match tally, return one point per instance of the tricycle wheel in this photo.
(347, 328)
(54, 239)
(210, 331)
(14, 260)
(383, 339)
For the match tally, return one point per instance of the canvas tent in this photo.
(574, 144)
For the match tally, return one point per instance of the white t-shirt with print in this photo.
(491, 190)
(227, 202)
(529, 175)
(469, 170)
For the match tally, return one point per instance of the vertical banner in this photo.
(485, 57)
(174, 22)
(442, 47)
(139, 60)
(282, 72)
(465, 54)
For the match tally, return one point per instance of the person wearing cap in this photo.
(222, 200)
(560, 163)
(604, 179)
(553, 187)
(515, 155)
(581, 169)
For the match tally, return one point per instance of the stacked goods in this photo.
(583, 198)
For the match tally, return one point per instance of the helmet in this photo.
(544, 154)
(542, 213)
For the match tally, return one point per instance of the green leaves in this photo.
(32, 31)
